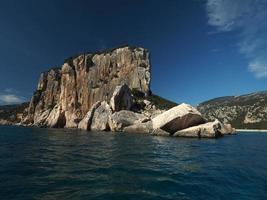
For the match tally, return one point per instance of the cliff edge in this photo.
(110, 91)
(70, 90)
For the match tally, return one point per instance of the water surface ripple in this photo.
(48, 164)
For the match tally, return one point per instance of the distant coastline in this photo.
(251, 130)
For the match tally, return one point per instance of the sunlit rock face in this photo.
(178, 118)
(247, 111)
(71, 90)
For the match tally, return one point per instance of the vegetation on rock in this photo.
(12, 114)
(243, 112)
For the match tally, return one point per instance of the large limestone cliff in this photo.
(64, 95)
(110, 91)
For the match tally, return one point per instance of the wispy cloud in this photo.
(248, 18)
(215, 50)
(10, 90)
(10, 96)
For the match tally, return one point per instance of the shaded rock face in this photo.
(44, 98)
(56, 118)
(121, 98)
(85, 124)
(84, 80)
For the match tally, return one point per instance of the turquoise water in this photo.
(69, 164)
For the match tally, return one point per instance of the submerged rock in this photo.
(177, 118)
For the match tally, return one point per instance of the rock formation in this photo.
(207, 130)
(100, 120)
(125, 118)
(177, 118)
(85, 124)
(121, 98)
(110, 91)
(181, 121)
(83, 80)
(146, 127)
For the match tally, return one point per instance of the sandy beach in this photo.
(251, 130)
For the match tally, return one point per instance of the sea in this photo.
(55, 164)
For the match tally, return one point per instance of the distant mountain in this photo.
(246, 111)
(12, 114)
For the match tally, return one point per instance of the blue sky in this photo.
(200, 49)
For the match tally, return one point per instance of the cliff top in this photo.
(105, 51)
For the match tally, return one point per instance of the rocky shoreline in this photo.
(124, 113)
(180, 121)
(110, 91)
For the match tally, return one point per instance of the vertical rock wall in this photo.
(64, 95)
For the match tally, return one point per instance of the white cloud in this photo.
(248, 18)
(11, 99)
(258, 67)
(9, 96)
(10, 90)
(227, 15)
